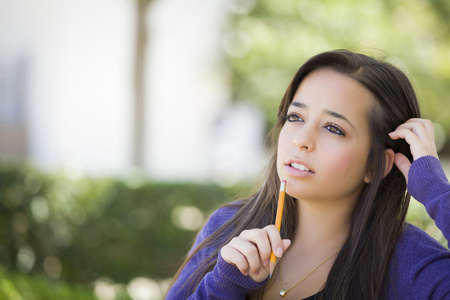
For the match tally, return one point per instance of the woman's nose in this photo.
(305, 139)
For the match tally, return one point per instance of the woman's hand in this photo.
(250, 251)
(419, 134)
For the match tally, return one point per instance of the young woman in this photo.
(348, 128)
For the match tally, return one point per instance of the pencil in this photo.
(280, 206)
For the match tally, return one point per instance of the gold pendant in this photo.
(282, 293)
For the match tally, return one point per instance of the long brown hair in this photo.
(361, 269)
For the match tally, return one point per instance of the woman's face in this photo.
(324, 145)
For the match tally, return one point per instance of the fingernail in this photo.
(279, 252)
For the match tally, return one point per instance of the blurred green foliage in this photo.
(79, 230)
(16, 286)
(269, 40)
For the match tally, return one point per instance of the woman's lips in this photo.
(298, 168)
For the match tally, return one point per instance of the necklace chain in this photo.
(283, 291)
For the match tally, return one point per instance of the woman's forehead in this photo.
(331, 91)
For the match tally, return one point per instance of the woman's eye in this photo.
(293, 118)
(335, 130)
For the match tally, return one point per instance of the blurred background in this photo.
(125, 123)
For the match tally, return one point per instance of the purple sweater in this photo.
(420, 266)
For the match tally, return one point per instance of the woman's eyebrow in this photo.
(299, 104)
(327, 111)
(337, 115)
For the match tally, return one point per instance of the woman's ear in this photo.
(389, 160)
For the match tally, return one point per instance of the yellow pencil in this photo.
(280, 206)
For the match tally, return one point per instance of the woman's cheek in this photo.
(345, 162)
(350, 165)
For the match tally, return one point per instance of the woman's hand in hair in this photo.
(419, 134)
(250, 251)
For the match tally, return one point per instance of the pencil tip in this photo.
(270, 276)
(271, 268)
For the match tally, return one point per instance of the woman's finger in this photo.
(256, 244)
(250, 251)
(416, 145)
(403, 164)
(427, 124)
(422, 128)
(275, 240)
(259, 238)
(234, 257)
(421, 143)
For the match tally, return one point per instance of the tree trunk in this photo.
(139, 71)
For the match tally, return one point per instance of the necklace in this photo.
(283, 291)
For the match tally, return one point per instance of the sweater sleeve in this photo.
(421, 267)
(224, 281)
(429, 185)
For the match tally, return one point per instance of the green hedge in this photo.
(79, 230)
(17, 286)
(83, 229)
